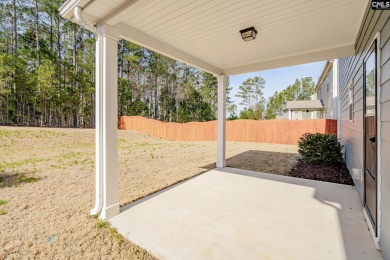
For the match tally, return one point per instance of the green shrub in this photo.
(322, 149)
(102, 224)
(25, 179)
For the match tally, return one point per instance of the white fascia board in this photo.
(331, 53)
(324, 74)
(122, 12)
(67, 9)
(136, 36)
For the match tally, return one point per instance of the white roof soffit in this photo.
(205, 33)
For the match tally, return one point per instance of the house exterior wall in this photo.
(318, 114)
(302, 115)
(325, 93)
(296, 115)
(351, 70)
(314, 115)
(284, 116)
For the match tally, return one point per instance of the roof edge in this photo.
(325, 71)
(298, 104)
(67, 9)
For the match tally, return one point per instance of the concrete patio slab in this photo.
(236, 214)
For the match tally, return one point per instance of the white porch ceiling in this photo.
(206, 32)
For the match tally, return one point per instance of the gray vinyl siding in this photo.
(351, 68)
(325, 94)
(385, 131)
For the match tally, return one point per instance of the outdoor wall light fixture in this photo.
(248, 34)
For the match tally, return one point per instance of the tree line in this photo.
(47, 76)
(257, 107)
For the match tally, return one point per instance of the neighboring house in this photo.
(283, 116)
(326, 92)
(303, 109)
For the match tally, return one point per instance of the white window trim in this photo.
(351, 114)
(376, 239)
(379, 134)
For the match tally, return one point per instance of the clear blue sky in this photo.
(277, 79)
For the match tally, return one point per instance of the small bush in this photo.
(2, 202)
(102, 224)
(2, 211)
(322, 149)
(25, 179)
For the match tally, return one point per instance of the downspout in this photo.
(84, 22)
(338, 101)
(99, 54)
(336, 97)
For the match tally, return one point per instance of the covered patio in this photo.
(226, 213)
(237, 214)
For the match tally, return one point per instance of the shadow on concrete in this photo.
(253, 164)
(347, 208)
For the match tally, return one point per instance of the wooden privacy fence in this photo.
(265, 131)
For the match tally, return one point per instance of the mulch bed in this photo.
(334, 173)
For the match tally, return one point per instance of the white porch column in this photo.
(289, 114)
(221, 132)
(107, 204)
(336, 98)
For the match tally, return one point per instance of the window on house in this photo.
(370, 85)
(350, 104)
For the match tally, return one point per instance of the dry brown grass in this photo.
(47, 182)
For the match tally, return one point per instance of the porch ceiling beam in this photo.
(136, 36)
(331, 53)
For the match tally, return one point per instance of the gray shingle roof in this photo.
(313, 104)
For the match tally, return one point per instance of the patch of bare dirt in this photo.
(273, 161)
(334, 173)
